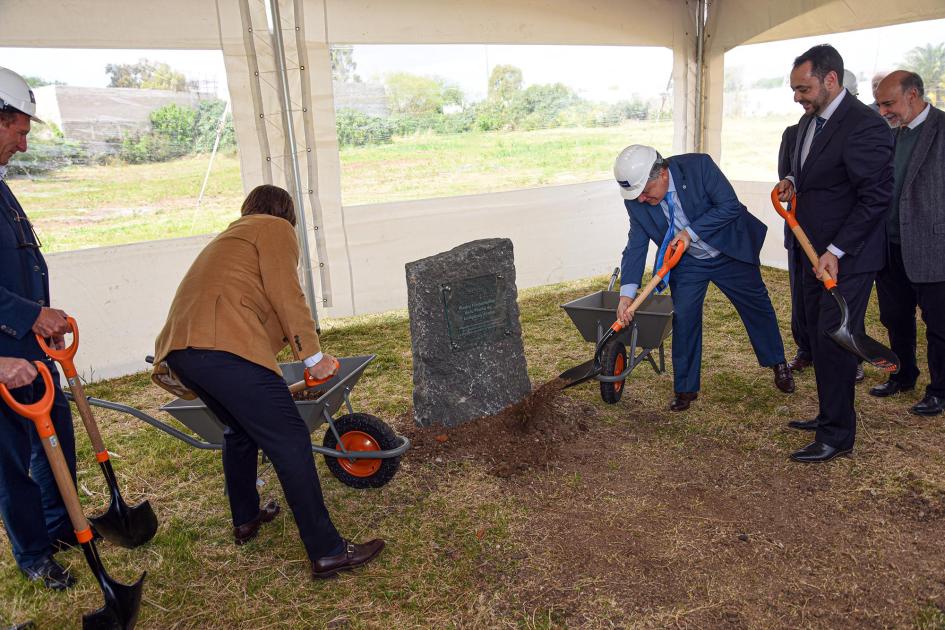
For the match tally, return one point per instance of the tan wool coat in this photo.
(242, 295)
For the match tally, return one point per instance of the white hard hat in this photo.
(632, 169)
(850, 83)
(16, 95)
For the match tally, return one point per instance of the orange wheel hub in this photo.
(359, 441)
(619, 367)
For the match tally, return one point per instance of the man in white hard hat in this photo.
(687, 198)
(32, 510)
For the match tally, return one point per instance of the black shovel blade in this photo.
(580, 373)
(126, 526)
(862, 345)
(122, 601)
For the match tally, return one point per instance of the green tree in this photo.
(343, 64)
(929, 63)
(505, 83)
(414, 95)
(39, 81)
(146, 74)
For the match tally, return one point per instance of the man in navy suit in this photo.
(30, 505)
(687, 198)
(841, 171)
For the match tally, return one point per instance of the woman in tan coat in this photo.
(238, 306)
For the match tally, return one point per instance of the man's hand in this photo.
(681, 235)
(16, 372)
(624, 314)
(51, 323)
(785, 190)
(324, 368)
(829, 263)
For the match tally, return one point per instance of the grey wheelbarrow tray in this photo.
(195, 416)
(652, 323)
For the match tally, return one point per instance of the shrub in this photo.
(357, 129)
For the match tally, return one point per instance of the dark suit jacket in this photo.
(922, 204)
(24, 282)
(788, 140)
(713, 210)
(844, 187)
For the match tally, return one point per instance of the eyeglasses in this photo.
(26, 235)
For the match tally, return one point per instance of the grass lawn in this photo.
(96, 206)
(647, 519)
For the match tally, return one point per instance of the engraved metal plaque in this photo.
(476, 311)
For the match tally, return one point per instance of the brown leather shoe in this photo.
(799, 362)
(244, 533)
(353, 555)
(682, 400)
(783, 379)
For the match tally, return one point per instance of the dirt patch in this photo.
(308, 394)
(524, 436)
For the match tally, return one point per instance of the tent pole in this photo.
(275, 29)
(700, 63)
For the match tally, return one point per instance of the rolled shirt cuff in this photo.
(313, 360)
(695, 237)
(629, 290)
(836, 251)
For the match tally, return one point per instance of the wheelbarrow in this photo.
(652, 323)
(361, 450)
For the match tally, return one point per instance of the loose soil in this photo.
(524, 436)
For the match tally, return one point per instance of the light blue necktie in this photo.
(670, 232)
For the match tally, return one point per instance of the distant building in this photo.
(367, 98)
(95, 116)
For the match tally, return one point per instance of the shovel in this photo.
(309, 381)
(860, 344)
(120, 524)
(586, 371)
(122, 602)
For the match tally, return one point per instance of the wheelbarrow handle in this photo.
(38, 414)
(790, 217)
(63, 356)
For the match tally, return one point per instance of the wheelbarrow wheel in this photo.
(613, 358)
(362, 432)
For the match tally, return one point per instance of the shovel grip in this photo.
(37, 412)
(800, 235)
(670, 259)
(64, 356)
(311, 381)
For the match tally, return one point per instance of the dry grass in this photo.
(649, 519)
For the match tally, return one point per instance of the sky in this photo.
(606, 73)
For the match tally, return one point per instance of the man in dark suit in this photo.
(915, 229)
(841, 172)
(687, 198)
(30, 505)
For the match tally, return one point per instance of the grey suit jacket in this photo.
(922, 204)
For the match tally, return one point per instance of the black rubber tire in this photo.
(613, 352)
(380, 432)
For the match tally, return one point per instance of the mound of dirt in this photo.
(520, 437)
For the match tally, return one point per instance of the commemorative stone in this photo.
(468, 357)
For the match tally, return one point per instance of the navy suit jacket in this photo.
(845, 186)
(24, 283)
(715, 214)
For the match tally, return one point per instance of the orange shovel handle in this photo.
(799, 233)
(37, 412)
(311, 381)
(671, 257)
(64, 356)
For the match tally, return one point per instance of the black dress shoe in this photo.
(353, 555)
(783, 379)
(889, 388)
(804, 425)
(53, 574)
(682, 400)
(800, 361)
(244, 533)
(929, 406)
(816, 452)
(860, 373)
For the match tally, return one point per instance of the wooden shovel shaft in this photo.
(801, 237)
(66, 485)
(85, 411)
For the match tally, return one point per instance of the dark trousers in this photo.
(742, 285)
(30, 504)
(255, 405)
(834, 367)
(797, 263)
(898, 298)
